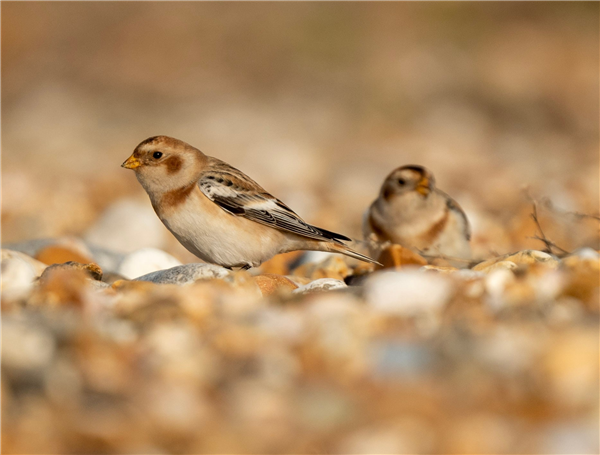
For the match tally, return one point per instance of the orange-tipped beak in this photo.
(423, 186)
(131, 163)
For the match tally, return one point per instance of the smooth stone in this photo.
(37, 266)
(92, 270)
(525, 257)
(17, 279)
(270, 284)
(586, 253)
(185, 274)
(407, 293)
(438, 268)
(321, 285)
(145, 261)
(500, 265)
(59, 254)
(127, 226)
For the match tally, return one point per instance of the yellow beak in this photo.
(131, 163)
(423, 186)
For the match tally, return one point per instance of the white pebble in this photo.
(144, 261)
(17, 274)
(407, 293)
(126, 226)
(320, 285)
(586, 253)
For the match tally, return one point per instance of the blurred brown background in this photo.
(316, 101)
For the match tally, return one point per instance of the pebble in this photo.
(92, 270)
(332, 267)
(145, 261)
(525, 257)
(500, 265)
(25, 345)
(37, 266)
(127, 226)
(407, 293)
(64, 249)
(321, 285)
(17, 277)
(438, 268)
(185, 274)
(17, 274)
(270, 284)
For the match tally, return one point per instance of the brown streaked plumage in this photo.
(412, 212)
(219, 213)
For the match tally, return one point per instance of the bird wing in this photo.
(453, 205)
(239, 195)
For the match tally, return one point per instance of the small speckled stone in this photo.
(321, 285)
(438, 268)
(500, 265)
(92, 270)
(185, 274)
(527, 257)
(270, 284)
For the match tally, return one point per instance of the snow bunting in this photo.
(219, 213)
(412, 212)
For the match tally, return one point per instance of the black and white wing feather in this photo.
(239, 195)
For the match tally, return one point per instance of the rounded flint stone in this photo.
(185, 274)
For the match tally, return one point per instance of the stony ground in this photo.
(413, 358)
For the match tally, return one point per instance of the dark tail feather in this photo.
(346, 250)
(334, 236)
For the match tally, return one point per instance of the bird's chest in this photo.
(197, 220)
(211, 233)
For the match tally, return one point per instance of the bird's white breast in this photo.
(219, 237)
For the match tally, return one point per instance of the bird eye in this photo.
(157, 155)
(401, 182)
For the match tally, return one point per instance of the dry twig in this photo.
(542, 237)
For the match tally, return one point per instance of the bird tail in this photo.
(346, 250)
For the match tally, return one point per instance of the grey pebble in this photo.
(185, 274)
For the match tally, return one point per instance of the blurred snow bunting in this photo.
(219, 213)
(412, 212)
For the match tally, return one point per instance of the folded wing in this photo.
(239, 195)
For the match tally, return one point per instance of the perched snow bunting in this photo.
(219, 213)
(412, 212)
